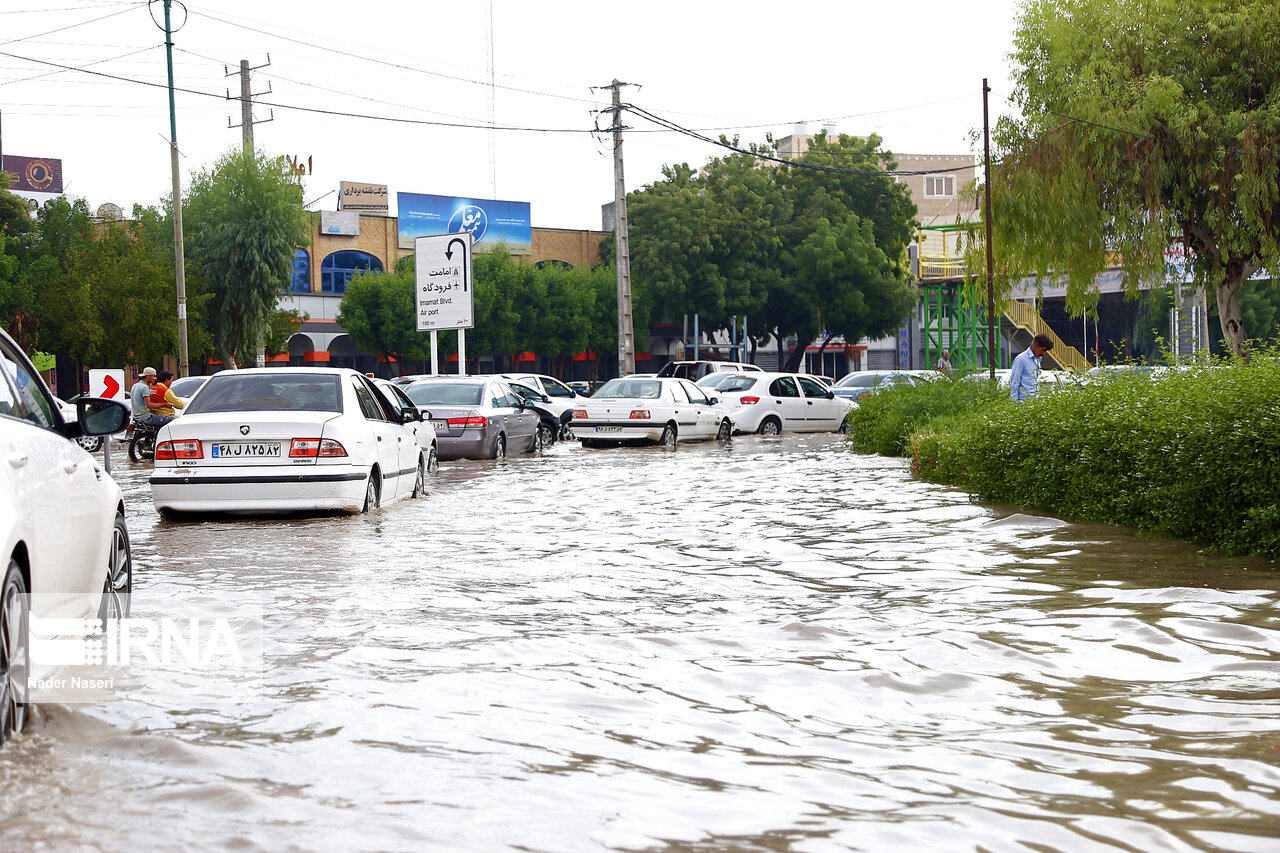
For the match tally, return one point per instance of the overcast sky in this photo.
(911, 72)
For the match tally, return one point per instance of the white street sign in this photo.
(445, 297)
(108, 383)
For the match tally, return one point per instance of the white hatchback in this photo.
(65, 541)
(649, 409)
(287, 440)
(771, 403)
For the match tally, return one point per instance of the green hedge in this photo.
(884, 422)
(1195, 455)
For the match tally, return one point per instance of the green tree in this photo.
(378, 311)
(243, 221)
(1144, 122)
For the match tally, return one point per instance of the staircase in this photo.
(1022, 322)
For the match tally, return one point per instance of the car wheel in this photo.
(119, 583)
(724, 432)
(372, 492)
(91, 443)
(142, 447)
(844, 426)
(15, 652)
(420, 479)
(770, 426)
(544, 438)
(566, 433)
(500, 447)
(668, 437)
(433, 460)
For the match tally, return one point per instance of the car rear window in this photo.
(445, 393)
(648, 389)
(307, 392)
(736, 383)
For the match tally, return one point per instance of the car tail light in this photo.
(639, 414)
(185, 449)
(580, 414)
(312, 448)
(473, 421)
(750, 401)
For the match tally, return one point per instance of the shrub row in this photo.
(1195, 455)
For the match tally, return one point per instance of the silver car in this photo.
(476, 417)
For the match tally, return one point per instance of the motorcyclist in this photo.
(140, 391)
(162, 403)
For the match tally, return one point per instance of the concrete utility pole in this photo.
(180, 280)
(991, 297)
(626, 338)
(246, 103)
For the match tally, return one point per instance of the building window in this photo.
(939, 186)
(337, 269)
(301, 272)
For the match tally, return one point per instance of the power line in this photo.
(782, 160)
(314, 110)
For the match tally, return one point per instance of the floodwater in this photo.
(775, 645)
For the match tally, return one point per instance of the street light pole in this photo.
(180, 281)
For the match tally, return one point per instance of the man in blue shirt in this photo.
(1026, 369)
(140, 391)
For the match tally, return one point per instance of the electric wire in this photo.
(33, 36)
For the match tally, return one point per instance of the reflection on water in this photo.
(772, 646)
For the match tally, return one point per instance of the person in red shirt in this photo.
(162, 403)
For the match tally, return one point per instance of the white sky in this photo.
(910, 71)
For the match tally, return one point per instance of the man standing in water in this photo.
(1026, 369)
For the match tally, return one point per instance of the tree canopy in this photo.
(243, 222)
(1144, 123)
(793, 249)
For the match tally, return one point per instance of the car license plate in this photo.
(608, 429)
(440, 425)
(245, 449)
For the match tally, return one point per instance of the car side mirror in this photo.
(831, 395)
(409, 414)
(713, 400)
(99, 416)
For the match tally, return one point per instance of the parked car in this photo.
(187, 386)
(476, 417)
(694, 370)
(423, 432)
(650, 409)
(771, 403)
(65, 540)
(286, 440)
(560, 397)
(554, 420)
(712, 381)
(864, 383)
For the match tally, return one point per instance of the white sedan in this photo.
(771, 403)
(65, 541)
(287, 440)
(649, 409)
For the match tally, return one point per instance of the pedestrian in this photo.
(944, 363)
(140, 391)
(162, 401)
(1026, 369)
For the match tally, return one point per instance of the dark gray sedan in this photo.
(476, 417)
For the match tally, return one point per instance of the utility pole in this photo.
(246, 103)
(626, 338)
(180, 280)
(991, 297)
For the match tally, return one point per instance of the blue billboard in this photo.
(487, 220)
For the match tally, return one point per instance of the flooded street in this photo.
(773, 645)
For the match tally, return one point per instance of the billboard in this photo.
(340, 222)
(34, 174)
(487, 220)
(362, 198)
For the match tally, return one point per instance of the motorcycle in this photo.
(142, 440)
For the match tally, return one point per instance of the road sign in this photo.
(445, 297)
(107, 383)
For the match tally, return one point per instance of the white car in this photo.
(65, 540)
(287, 440)
(771, 403)
(649, 409)
(421, 427)
(560, 397)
